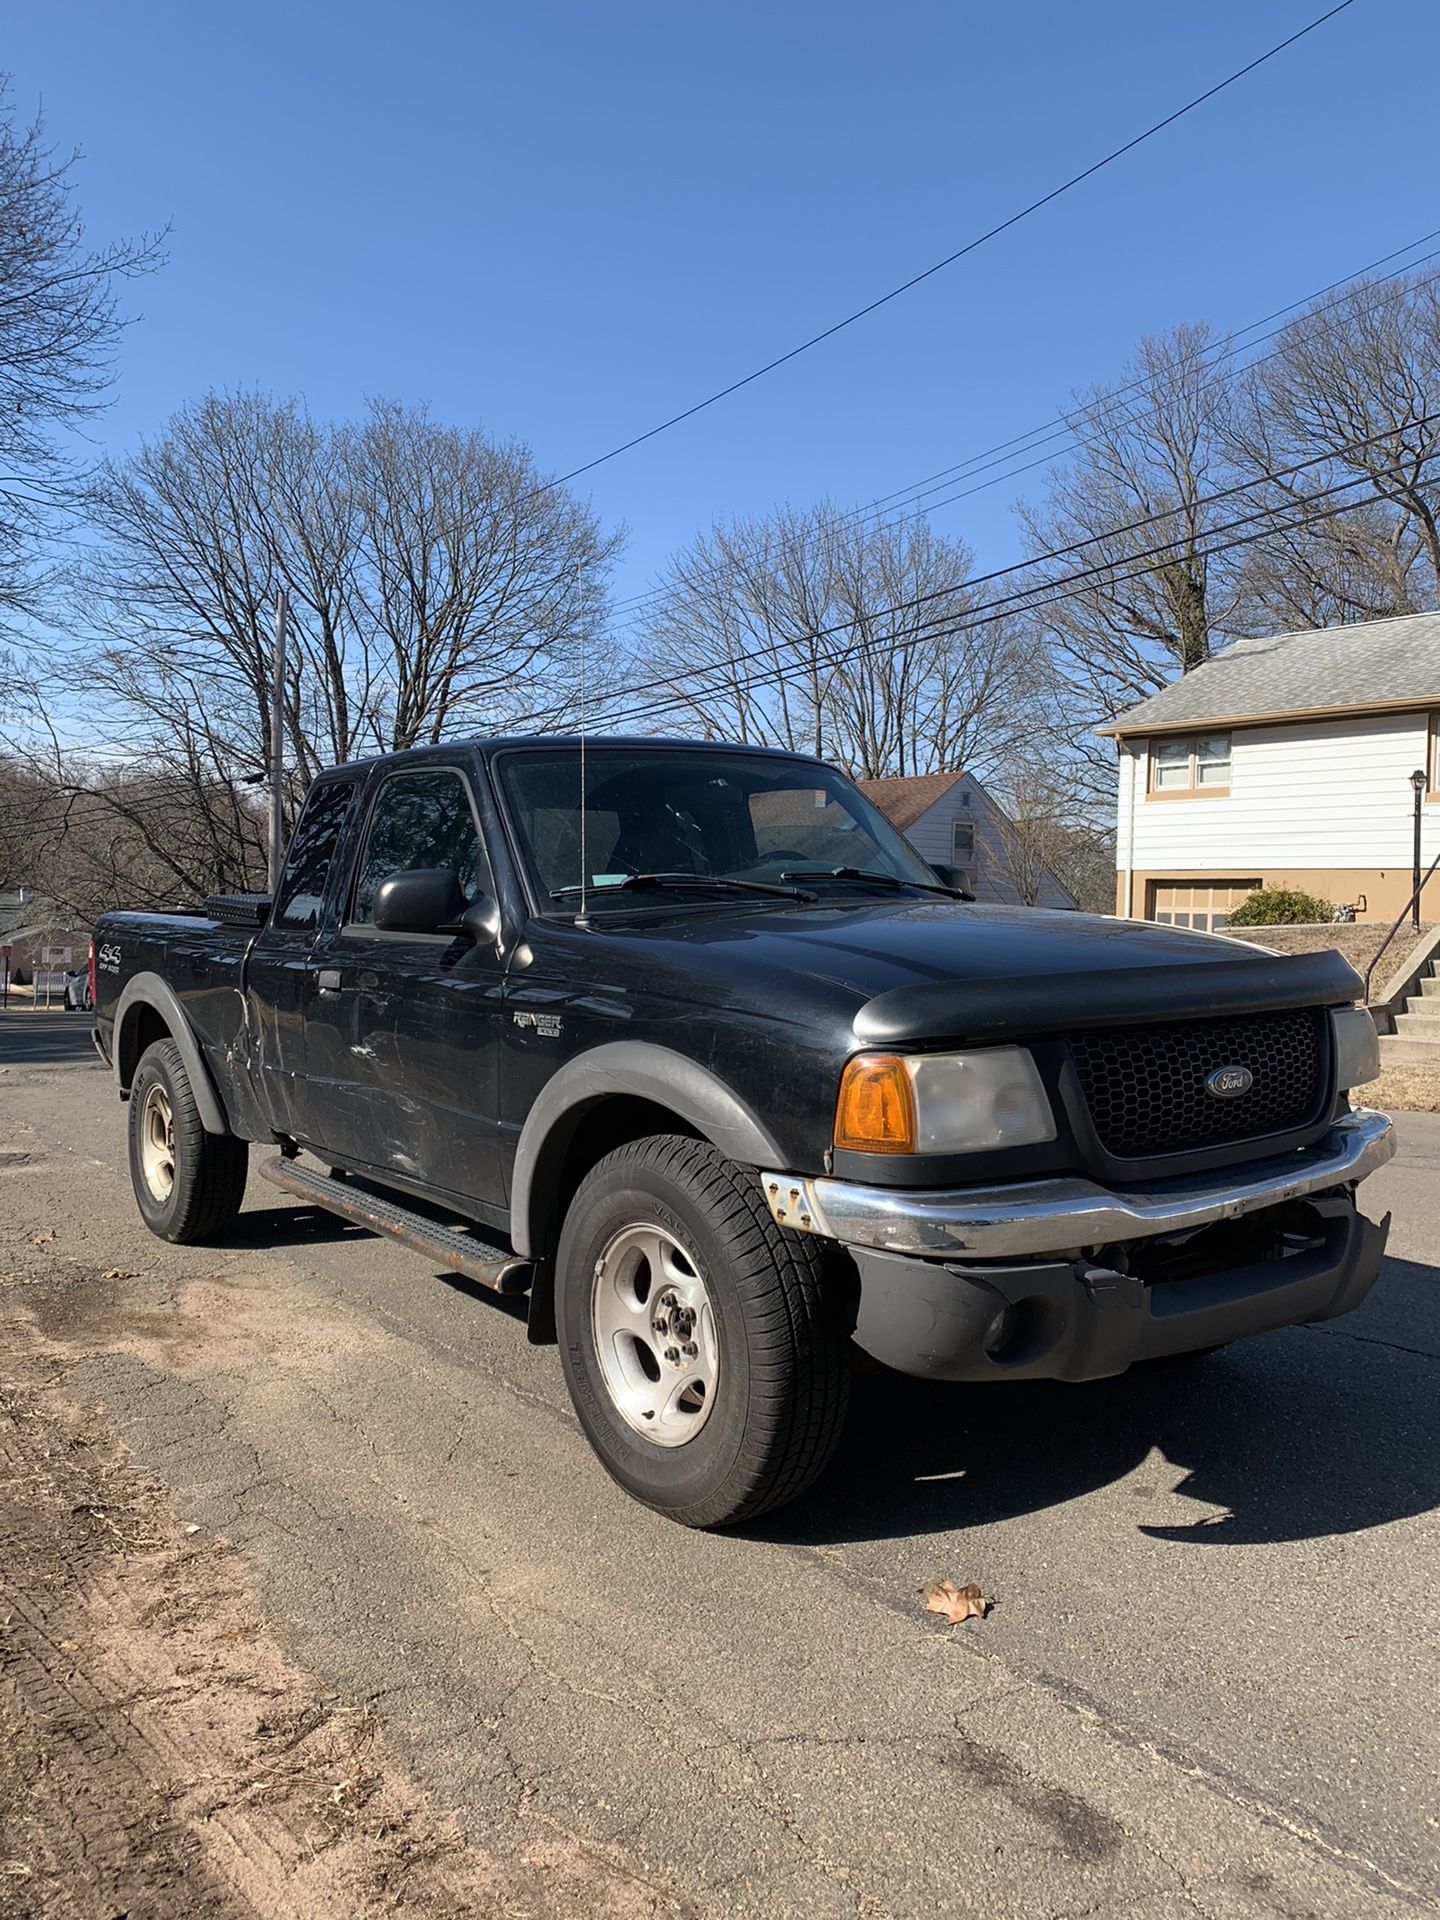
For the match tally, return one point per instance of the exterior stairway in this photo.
(1416, 1039)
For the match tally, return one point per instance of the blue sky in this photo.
(565, 221)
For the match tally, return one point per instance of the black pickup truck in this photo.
(687, 1043)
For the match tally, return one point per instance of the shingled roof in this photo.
(904, 797)
(1367, 667)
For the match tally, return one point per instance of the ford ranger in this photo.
(686, 1043)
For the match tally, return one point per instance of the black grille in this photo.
(1145, 1086)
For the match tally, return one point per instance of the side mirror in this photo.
(424, 900)
(952, 877)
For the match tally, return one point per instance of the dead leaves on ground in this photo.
(956, 1603)
(120, 1273)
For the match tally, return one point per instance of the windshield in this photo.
(723, 815)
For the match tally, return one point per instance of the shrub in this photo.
(1280, 907)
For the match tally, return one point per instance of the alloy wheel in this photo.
(655, 1334)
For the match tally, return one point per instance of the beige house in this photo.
(1286, 761)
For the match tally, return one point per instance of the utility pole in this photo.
(277, 743)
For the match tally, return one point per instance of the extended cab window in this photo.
(312, 848)
(420, 820)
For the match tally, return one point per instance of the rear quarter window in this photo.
(312, 850)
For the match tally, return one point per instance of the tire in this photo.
(188, 1183)
(762, 1401)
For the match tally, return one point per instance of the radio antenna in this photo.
(582, 918)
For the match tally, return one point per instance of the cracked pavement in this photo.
(1207, 1686)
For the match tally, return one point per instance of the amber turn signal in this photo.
(876, 1109)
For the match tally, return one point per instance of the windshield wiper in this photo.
(644, 882)
(876, 878)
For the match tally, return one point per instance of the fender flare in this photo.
(149, 990)
(644, 1071)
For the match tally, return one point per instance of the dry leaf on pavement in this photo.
(121, 1273)
(42, 1239)
(956, 1603)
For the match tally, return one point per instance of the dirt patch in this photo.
(1359, 941)
(1415, 1088)
(164, 1757)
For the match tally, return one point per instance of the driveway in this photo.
(1207, 1685)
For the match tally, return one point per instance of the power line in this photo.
(986, 614)
(1269, 478)
(1113, 404)
(1049, 429)
(1051, 594)
(960, 253)
(125, 813)
(1039, 594)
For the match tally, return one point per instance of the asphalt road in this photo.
(1208, 1684)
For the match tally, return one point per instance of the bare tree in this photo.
(736, 630)
(823, 631)
(26, 807)
(1136, 500)
(1361, 564)
(478, 577)
(59, 325)
(1149, 453)
(87, 835)
(1352, 389)
(1045, 834)
(436, 579)
(162, 837)
(182, 585)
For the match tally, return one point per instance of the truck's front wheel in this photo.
(705, 1354)
(188, 1183)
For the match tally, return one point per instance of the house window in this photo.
(1204, 904)
(1432, 759)
(1195, 764)
(962, 851)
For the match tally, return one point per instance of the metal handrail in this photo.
(1401, 918)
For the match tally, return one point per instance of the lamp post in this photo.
(1418, 784)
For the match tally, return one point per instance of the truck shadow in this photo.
(266, 1228)
(1297, 1435)
(270, 1228)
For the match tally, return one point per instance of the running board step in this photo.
(452, 1247)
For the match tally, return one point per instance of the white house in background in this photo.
(951, 820)
(1285, 762)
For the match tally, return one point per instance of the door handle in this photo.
(328, 980)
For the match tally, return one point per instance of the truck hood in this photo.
(910, 971)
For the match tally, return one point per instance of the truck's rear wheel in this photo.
(704, 1352)
(188, 1183)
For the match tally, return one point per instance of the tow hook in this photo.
(1109, 1288)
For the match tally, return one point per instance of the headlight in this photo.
(1357, 1047)
(942, 1102)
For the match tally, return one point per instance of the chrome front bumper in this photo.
(1050, 1216)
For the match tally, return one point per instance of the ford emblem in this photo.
(1228, 1082)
